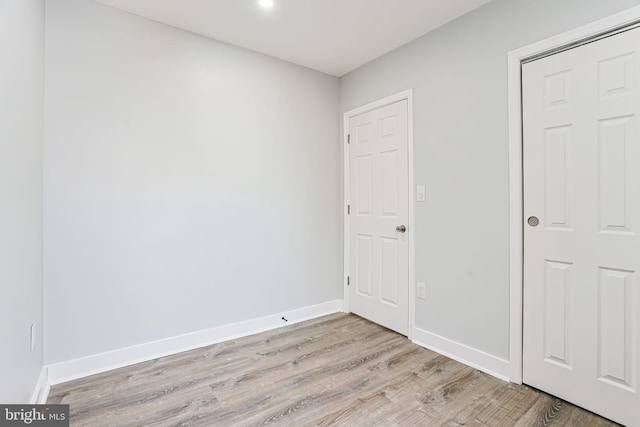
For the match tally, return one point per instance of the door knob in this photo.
(401, 228)
(533, 221)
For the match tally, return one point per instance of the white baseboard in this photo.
(90, 365)
(41, 392)
(470, 356)
(78, 368)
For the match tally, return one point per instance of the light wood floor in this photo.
(336, 370)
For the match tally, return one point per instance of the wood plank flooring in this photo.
(339, 370)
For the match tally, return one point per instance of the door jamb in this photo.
(392, 99)
(516, 215)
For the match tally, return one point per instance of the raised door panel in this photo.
(557, 313)
(617, 329)
(390, 286)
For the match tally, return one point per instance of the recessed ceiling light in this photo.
(266, 3)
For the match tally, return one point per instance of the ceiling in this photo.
(332, 36)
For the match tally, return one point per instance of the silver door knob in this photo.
(533, 221)
(401, 228)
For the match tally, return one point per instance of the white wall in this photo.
(188, 183)
(459, 76)
(21, 119)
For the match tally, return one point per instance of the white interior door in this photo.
(379, 199)
(582, 261)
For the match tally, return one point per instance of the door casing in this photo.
(400, 96)
(613, 23)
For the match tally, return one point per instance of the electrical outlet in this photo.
(33, 336)
(421, 193)
(421, 291)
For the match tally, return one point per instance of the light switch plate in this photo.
(32, 338)
(421, 291)
(421, 193)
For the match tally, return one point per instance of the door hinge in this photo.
(349, 139)
(348, 280)
(348, 209)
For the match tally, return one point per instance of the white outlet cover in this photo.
(421, 193)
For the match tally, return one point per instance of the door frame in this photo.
(392, 99)
(516, 57)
